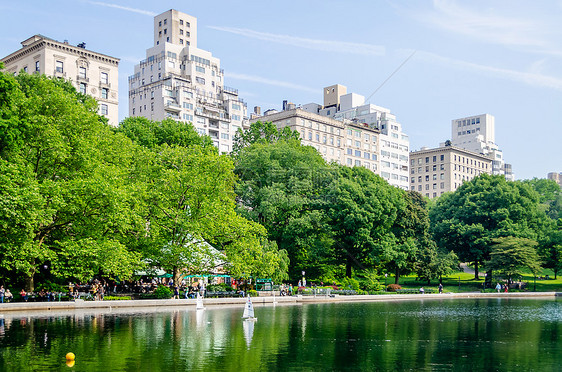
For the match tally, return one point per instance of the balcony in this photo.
(82, 79)
(172, 106)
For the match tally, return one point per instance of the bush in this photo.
(163, 292)
(370, 282)
(393, 287)
(253, 293)
(349, 283)
(114, 298)
(222, 287)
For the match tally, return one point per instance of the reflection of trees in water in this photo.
(413, 335)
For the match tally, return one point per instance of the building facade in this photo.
(392, 146)
(477, 134)
(343, 143)
(177, 80)
(90, 72)
(557, 177)
(443, 169)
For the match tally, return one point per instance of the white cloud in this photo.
(262, 80)
(126, 8)
(530, 32)
(314, 44)
(529, 78)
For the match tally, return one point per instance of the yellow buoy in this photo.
(70, 356)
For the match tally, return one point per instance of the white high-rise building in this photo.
(477, 134)
(347, 131)
(90, 72)
(394, 144)
(180, 81)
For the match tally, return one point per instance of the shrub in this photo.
(253, 293)
(114, 298)
(349, 283)
(393, 287)
(371, 282)
(162, 292)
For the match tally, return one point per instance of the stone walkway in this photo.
(49, 308)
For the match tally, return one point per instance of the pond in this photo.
(431, 335)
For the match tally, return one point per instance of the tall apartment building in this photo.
(393, 144)
(557, 177)
(443, 169)
(180, 81)
(347, 131)
(347, 143)
(477, 134)
(90, 72)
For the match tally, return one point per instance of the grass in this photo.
(464, 282)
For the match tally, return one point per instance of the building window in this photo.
(104, 78)
(442, 157)
(37, 66)
(83, 88)
(103, 109)
(59, 66)
(165, 20)
(434, 158)
(82, 72)
(104, 93)
(200, 80)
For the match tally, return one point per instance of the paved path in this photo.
(53, 308)
(470, 270)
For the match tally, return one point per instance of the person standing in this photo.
(440, 288)
(2, 293)
(8, 295)
(498, 287)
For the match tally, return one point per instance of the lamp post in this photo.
(385, 276)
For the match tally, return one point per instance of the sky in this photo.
(467, 57)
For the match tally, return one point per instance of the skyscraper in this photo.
(477, 134)
(178, 80)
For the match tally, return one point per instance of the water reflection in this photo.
(482, 334)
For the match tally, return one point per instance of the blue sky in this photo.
(472, 57)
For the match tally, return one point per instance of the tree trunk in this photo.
(476, 270)
(555, 272)
(177, 276)
(397, 276)
(29, 283)
(348, 267)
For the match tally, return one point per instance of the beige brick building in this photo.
(345, 143)
(439, 170)
(557, 177)
(90, 72)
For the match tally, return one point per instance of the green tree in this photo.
(74, 203)
(550, 196)
(189, 206)
(261, 132)
(362, 209)
(510, 256)
(483, 209)
(281, 186)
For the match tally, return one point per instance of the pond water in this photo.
(430, 335)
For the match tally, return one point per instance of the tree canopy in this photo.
(483, 209)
